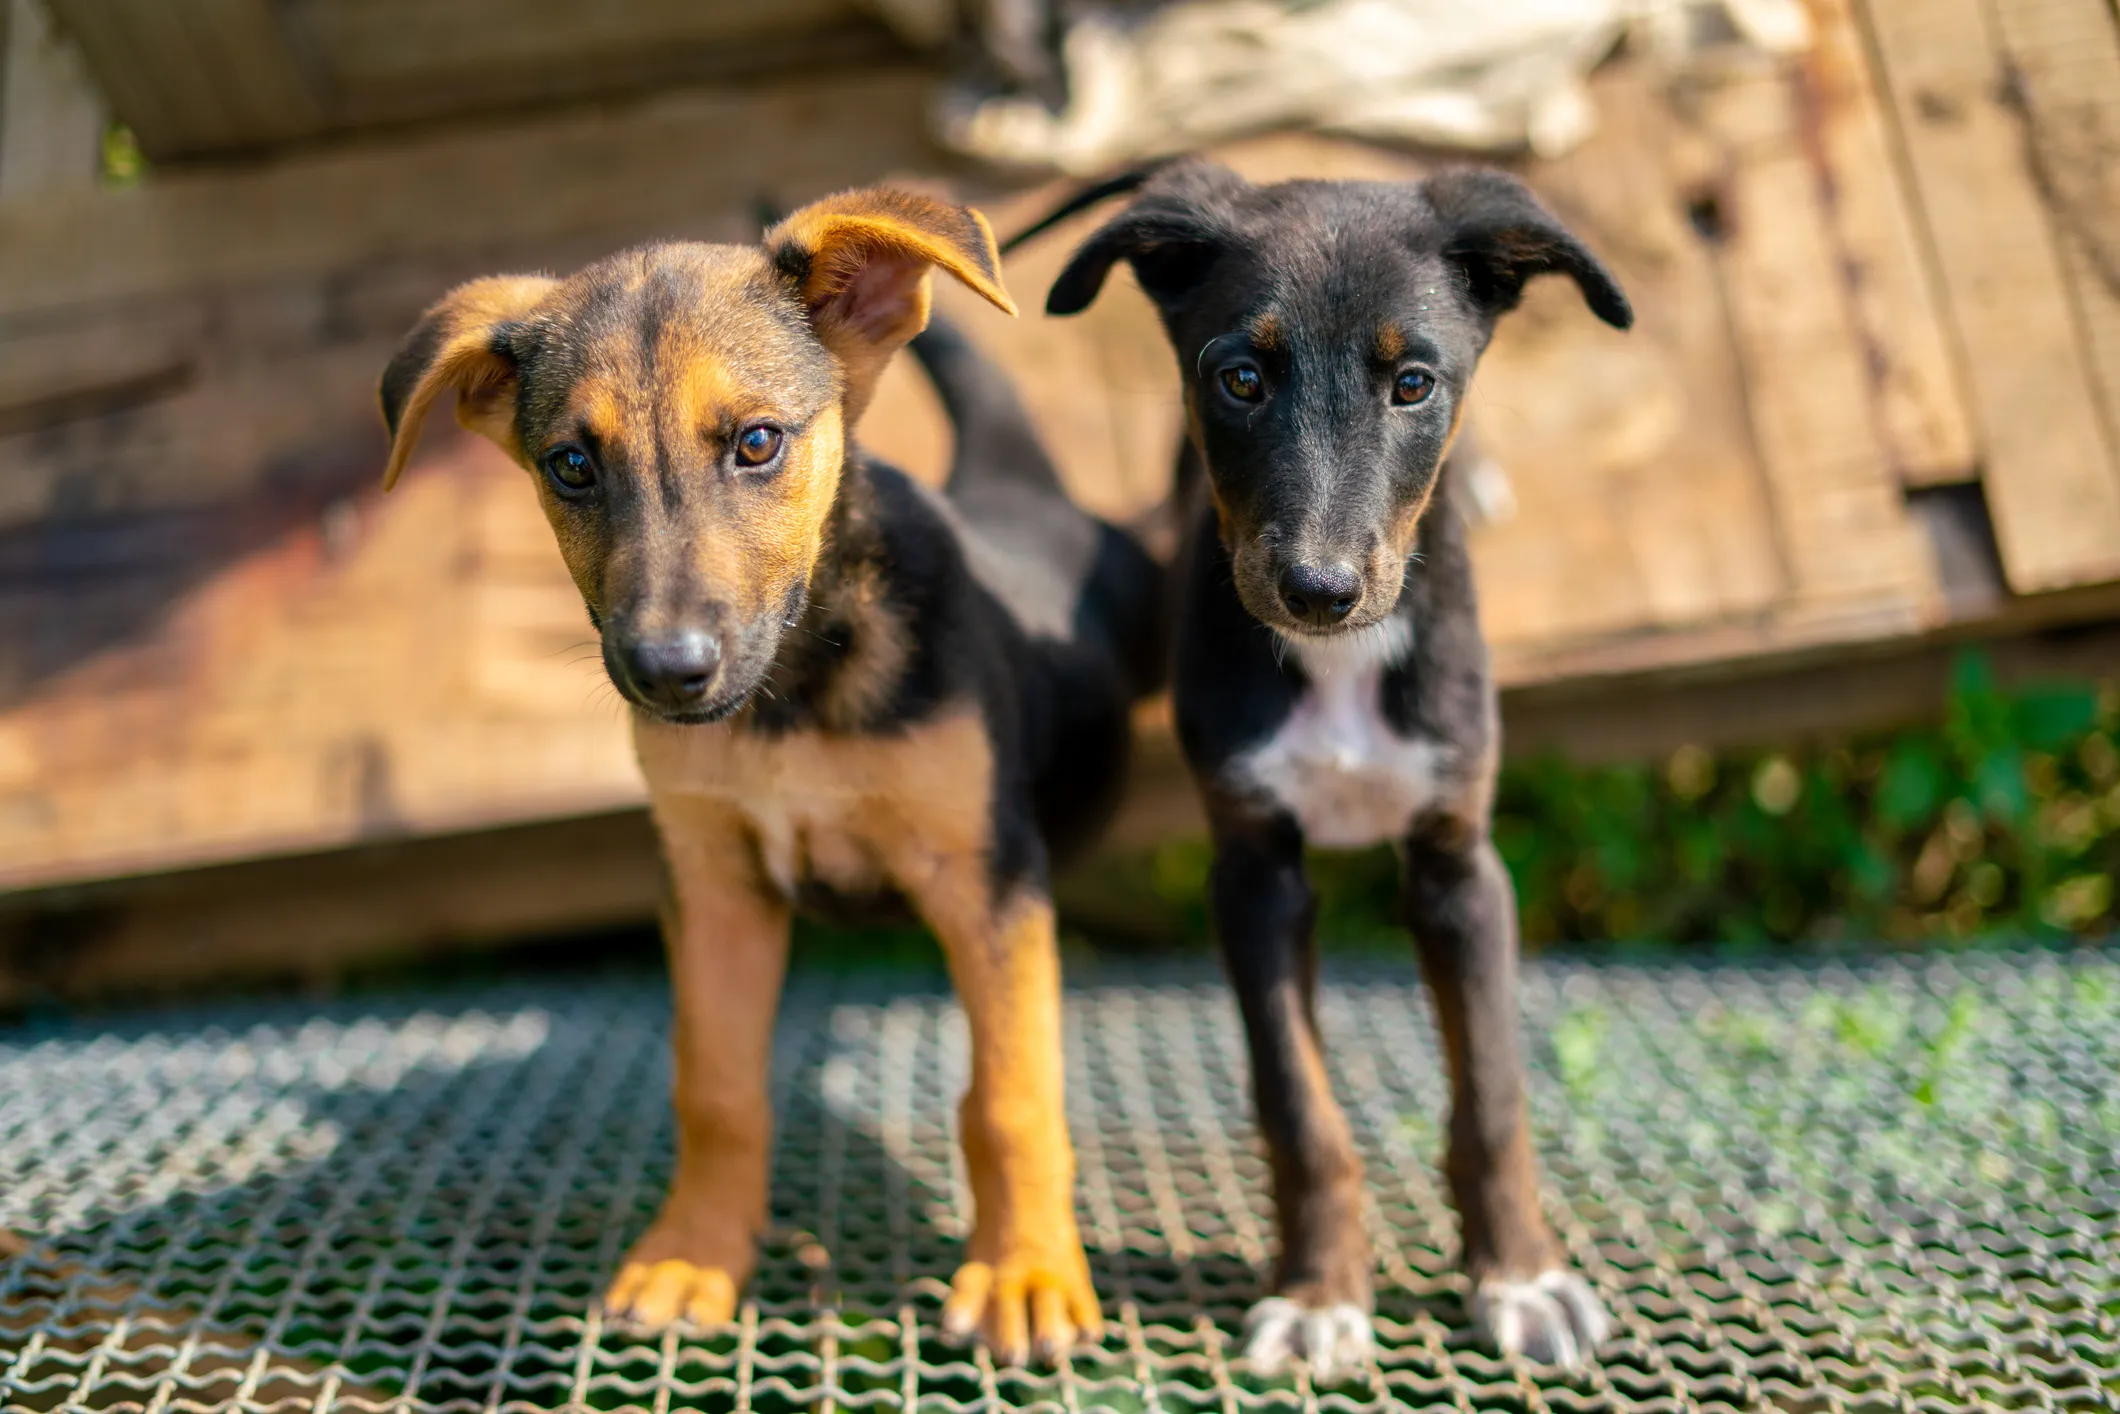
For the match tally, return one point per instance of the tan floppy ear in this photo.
(459, 343)
(860, 260)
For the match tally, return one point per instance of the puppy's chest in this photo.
(1337, 764)
(854, 816)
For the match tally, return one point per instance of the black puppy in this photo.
(1331, 681)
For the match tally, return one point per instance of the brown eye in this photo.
(1242, 382)
(1414, 386)
(757, 444)
(570, 468)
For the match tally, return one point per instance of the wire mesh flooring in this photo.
(1888, 1185)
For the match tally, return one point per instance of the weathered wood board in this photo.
(1881, 265)
(213, 77)
(51, 114)
(1846, 534)
(2065, 55)
(1954, 72)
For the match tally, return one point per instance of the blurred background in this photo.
(1804, 595)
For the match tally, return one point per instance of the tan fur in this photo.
(1026, 1281)
(1265, 331)
(728, 942)
(897, 803)
(910, 812)
(868, 254)
(1390, 342)
(465, 361)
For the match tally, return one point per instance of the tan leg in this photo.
(728, 943)
(1025, 1284)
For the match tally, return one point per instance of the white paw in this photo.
(1336, 1341)
(1552, 1319)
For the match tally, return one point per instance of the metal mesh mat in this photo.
(1884, 1186)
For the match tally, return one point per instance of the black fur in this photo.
(1330, 300)
(1056, 705)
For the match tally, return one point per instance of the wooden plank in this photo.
(666, 168)
(2098, 306)
(1845, 532)
(1641, 503)
(51, 117)
(119, 63)
(351, 672)
(2066, 56)
(212, 77)
(362, 907)
(269, 93)
(82, 371)
(205, 75)
(1779, 700)
(2050, 478)
(1918, 387)
(394, 60)
(416, 38)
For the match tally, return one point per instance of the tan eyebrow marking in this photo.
(1265, 331)
(1391, 342)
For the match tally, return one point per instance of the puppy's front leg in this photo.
(727, 938)
(1263, 913)
(1463, 917)
(1025, 1283)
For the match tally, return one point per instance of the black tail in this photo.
(1083, 200)
(995, 438)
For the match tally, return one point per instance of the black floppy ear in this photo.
(1171, 235)
(1495, 231)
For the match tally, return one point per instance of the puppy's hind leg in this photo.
(1263, 912)
(1463, 916)
(727, 939)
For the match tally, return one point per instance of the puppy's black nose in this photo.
(673, 673)
(1321, 595)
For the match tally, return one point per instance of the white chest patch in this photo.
(1349, 779)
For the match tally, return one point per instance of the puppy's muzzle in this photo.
(673, 674)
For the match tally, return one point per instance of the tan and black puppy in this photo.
(849, 692)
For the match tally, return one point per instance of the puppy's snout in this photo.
(1321, 595)
(675, 672)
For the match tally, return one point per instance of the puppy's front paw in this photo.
(659, 1293)
(1335, 1339)
(1553, 1318)
(1023, 1305)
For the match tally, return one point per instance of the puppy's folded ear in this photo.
(461, 343)
(1496, 231)
(859, 261)
(1171, 235)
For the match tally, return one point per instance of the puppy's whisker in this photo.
(560, 652)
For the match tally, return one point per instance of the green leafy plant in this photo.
(2002, 818)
